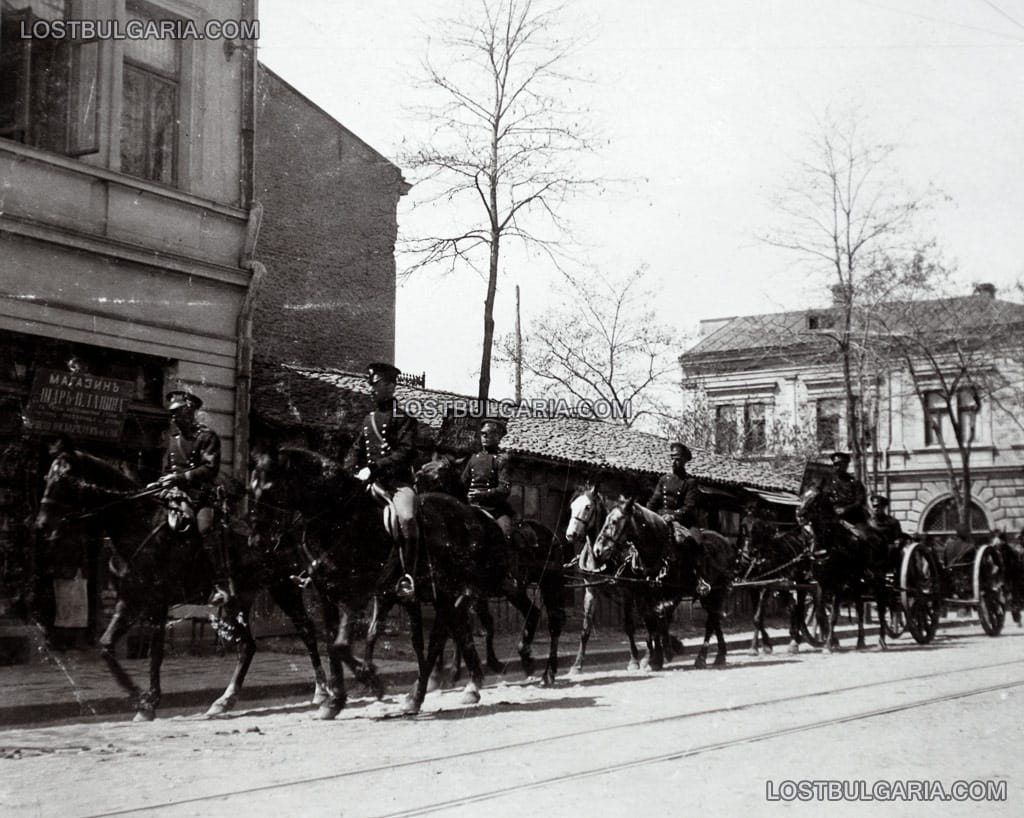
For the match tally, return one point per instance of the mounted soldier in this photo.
(676, 498)
(382, 457)
(191, 491)
(845, 492)
(486, 476)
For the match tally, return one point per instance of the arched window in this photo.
(942, 518)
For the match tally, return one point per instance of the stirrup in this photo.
(405, 588)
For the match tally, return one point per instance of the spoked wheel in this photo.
(895, 620)
(988, 590)
(920, 596)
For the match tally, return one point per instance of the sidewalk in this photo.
(76, 683)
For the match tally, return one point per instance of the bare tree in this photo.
(850, 218)
(604, 346)
(502, 145)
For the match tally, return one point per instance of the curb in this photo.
(396, 678)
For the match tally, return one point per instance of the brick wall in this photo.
(327, 238)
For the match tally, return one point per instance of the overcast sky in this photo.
(704, 107)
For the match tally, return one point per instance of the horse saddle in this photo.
(390, 513)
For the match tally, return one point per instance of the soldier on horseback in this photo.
(486, 476)
(382, 457)
(191, 492)
(676, 498)
(845, 492)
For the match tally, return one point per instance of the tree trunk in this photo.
(485, 359)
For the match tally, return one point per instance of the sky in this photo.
(703, 109)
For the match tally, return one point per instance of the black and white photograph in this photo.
(496, 407)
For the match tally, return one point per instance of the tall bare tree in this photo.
(504, 137)
(853, 222)
(603, 346)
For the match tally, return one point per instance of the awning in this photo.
(776, 497)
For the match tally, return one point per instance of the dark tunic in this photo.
(887, 526)
(848, 497)
(676, 498)
(387, 446)
(487, 474)
(196, 457)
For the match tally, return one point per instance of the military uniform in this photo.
(676, 499)
(486, 475)
(192, 467)
(848, 497)
(386, 446)
(383, 455)
(195, 458)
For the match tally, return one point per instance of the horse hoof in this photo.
(633, 665)
(434, 682)
(329, 710)
(883, 646)
(700, 663)
(219, 708)
(862, 646)
(719, 661)
(319, 696)
(793, 647)
(575, 670)
(548, 679)
(768, 649)
(470, 697)
(411, 707)
(144, 715)
(755, 652)
(645, 665)
(376, 685)
(528, 665)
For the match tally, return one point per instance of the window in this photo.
(936, 414)
(753, 428)
(149, 116)
(942, 519)
(725, 429)
(828, 412)
(48, 87)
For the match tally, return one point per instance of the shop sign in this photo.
(78, 405)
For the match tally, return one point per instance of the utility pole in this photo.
(519, 353)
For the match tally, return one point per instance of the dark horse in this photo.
(848, 564)
(536, 556)
(777, 563)
(154, 568)
(587, 513)
(307, 500)
(637, 540)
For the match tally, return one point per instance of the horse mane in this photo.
(98, 474)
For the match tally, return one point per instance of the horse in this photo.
(846, 563)
(638, 541)
(588, 510)
(340, 525)
(781, 557)
(153, 567)
(537, 557)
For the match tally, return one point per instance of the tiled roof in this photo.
(789, 330)
(298, 396)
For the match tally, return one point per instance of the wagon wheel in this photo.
(988, 590)
(810, 630)
(919, 595)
